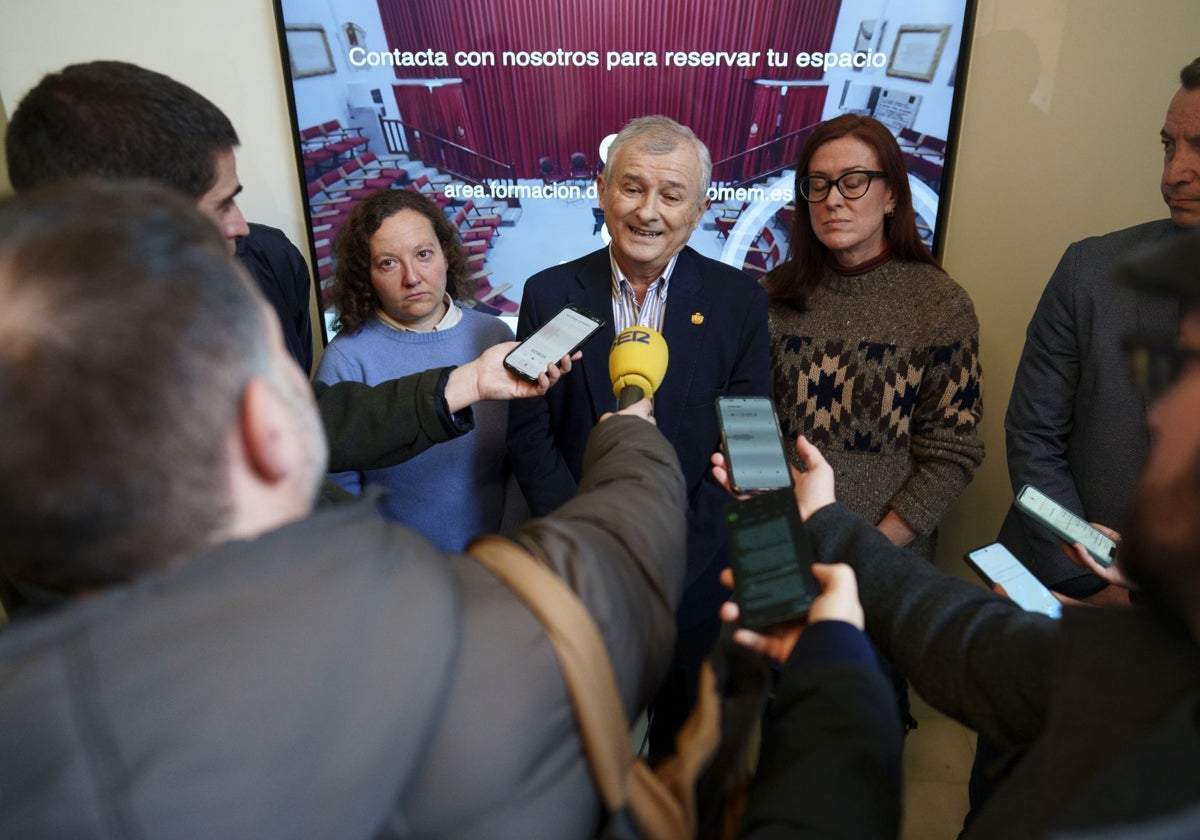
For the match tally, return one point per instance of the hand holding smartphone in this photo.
(1066, 525)
(771, 559)
(754, 456)
(997, 566)
(561, 336)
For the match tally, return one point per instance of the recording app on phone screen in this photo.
(560, 335)
(750, 435)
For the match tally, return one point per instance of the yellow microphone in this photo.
(636, 364)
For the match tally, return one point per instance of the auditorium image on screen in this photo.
(498, 110)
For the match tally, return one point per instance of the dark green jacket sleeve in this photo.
(371, 427)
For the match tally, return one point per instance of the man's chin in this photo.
(1185, 215)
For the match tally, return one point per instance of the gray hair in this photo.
(662, 135)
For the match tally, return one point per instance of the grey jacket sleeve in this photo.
(976, 656)
(620, 544)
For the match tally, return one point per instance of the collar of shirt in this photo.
(627, 312)
(453, 316)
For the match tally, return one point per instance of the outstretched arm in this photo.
(620, 544)
(372, 427)
(974, 655)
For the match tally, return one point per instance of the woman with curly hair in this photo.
(400, 272)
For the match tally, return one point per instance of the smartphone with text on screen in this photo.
(997, 565)
(561, 336)
(1066, 525)
(754, 456)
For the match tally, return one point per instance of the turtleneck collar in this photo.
(861, 268)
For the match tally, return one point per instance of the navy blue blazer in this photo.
(716, 331)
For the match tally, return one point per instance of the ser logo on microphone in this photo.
(635, 336)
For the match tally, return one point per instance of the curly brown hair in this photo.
(353, 294)
(800, 274)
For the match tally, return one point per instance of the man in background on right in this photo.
(1075, 428)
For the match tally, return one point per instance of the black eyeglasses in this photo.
(815, 188)
(1155, 362)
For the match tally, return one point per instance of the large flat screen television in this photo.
(499, 110)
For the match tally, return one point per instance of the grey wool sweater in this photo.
(882, 374)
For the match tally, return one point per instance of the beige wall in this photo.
(1059, 140)
(226, 49)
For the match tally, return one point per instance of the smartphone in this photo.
(562, 335)
(997, 565)
(754, 456)
(770, 555)
(1066, 525)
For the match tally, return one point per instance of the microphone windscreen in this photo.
(638, 357)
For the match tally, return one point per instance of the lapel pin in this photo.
(697, 318)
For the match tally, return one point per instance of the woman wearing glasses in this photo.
(874, 348)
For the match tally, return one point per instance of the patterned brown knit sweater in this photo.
(882, 374)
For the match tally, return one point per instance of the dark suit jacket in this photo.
(830, 760)
(283, 278)
(1075, 427)
(716, 331)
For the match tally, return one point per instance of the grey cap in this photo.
(1170, 268)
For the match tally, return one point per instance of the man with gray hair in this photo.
(714, 318)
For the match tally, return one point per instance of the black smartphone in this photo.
(754, 456)
(997, 565)
(771, 559)
(1066, 525)
(562, 335)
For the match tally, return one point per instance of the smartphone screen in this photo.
(997, 565)
(771, 556)
(561, 335)
(754, 455)
(1066, 525)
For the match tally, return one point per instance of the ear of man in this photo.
(269, 485)
(266, 435)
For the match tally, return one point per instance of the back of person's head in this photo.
(116, 120)
(662, 135)
(1189, 76)
(353, 293)
(795, 279)
(127, 338)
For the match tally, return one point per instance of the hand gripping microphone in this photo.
(636, 364)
